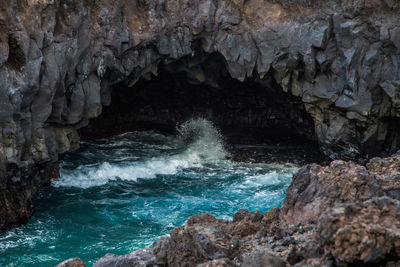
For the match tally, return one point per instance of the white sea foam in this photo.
(205, 146)
(271, 178)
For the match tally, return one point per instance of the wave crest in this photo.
(203, 144)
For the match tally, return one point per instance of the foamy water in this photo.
(206, 146)
(120, 194)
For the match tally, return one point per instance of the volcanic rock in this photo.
(74, 262)
(262, 258)
(367, 233)
(316, 188)
(139, 258)
(59, 62)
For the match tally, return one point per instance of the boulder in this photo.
(362, 233)
(73, 262)
(316, 188)
(139, 258)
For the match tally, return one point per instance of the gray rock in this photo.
(160, 250)
(139, 258)
(341, 61)
(216, 263)
(262, 258)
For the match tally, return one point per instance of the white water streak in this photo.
(205, 146)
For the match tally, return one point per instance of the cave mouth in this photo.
(144, 185)
(251, 112)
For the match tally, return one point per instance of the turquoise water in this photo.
(120, 194)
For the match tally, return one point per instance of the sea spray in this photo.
(203, 139)
(203, 144)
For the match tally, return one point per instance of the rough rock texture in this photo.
(60, 58)
(262, 258)
(316, 188)
(16, 192)
(139, 258)
(362, 233)
(74, 262)
(358, 229)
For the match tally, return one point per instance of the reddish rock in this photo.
(201, 218)
(73, 262)
(365, 233)
(387, 173)
(245, 214)
(316, 188)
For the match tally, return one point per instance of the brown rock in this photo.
(271, 216)
(387, 173)
(262, 258)
(201, 218)
(73, 262)
(195, 244)
(245, 228)
(216, 263)
(244, 214)
(367, 232)
(316, 188)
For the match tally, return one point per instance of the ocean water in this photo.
(119, 194)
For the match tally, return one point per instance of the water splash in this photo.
(204, 139)
(203, 145)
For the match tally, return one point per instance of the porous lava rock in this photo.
(59, 61)
(365, 233)
(316, 188)
(73, 262)
(139, 258)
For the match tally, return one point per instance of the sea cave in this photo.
(199, 133)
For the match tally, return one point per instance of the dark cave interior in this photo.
(255, 111)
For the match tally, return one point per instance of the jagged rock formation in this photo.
(348, 230)
(60, 59)
(316, 188)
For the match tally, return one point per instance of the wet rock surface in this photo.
(59, 61)
(358, 224)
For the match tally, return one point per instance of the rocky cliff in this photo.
(60, 59)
